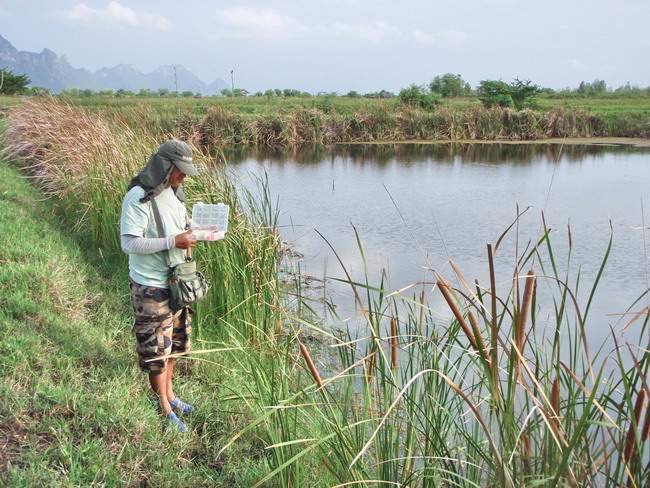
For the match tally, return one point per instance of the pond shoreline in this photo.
(595, 141)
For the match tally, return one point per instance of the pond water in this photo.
(415, 206)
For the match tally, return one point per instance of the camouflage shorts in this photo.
(158, 330)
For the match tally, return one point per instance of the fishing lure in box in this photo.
(209, 222)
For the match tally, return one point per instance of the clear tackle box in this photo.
(209, 221)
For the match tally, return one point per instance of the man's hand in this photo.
(184, 241)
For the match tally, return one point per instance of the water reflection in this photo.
(382, 154)
(416, 205)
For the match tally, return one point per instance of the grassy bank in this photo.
(74, 409)
(507, 393)
(260, 121)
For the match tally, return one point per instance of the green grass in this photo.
(603, 106)
(74, 408)
(342, 105)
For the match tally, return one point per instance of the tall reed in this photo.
(382, 123)
(454, 412)
(86, 162)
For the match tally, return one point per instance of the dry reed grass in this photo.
(300, 126)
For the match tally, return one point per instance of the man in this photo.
(159, 330)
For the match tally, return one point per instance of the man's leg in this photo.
(169, 373)
(159, 384)
(182, 327)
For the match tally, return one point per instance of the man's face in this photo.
(177, 177)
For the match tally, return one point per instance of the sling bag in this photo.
(187, 285)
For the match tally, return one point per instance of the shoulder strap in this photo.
(161, 230)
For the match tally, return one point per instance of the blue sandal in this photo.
(173, 421)
(182, 407)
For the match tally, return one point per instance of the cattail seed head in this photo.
(631, 433)
(310, 365)
(393, 341)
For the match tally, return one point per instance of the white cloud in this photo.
(4, 12)
(373, 33)
(259, 25)
(453, 36)
(115, 13)
(243, 16)
(255, 24)
(378, 32)
(575, 64)
(422, 37)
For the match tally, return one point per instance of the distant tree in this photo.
(419, 96)
(11, 84)
(226, 92)
(495, 93)
(187, 94)
(599, 87)
(240, 92)
(88, 93)
(305, 95)
(523, 93)
(450, 85)
(124, 93)
(163, 92)
(38, 91)
(259, 94)
(269, 93)
(519, 94)
(596, 88)
(353, 94)
(145, 92)
(278, 92)
(628, 90)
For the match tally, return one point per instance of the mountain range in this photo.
(47, 70)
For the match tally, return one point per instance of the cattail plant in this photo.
(310, 365)
(630, 439)
(477, 344)
(524, 311)
(555, 403)
(393, 341)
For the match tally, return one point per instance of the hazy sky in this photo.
(343, 45)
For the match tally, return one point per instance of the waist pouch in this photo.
(187, 285)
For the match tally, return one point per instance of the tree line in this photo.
(517, 94)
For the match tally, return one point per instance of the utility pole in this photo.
(178, 106)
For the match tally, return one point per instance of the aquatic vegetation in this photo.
(505, 391)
